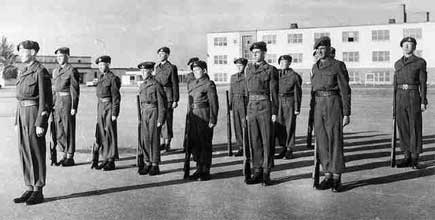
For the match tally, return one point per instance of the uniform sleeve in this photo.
(116, 95)
(274, 90)
(423, 83)
(161, 103)
(213, 102)
(345, 91)
(298, 93)
(175, 84)
(75, 88)
(231, 95)
(45, 98)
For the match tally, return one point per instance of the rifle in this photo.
(246, 149)
(53, 142)
(229, 146)
(187, 147)
(139, 126)
(316, 171)
(310, 123)
(394, 135)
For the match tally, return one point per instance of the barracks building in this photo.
(369, 51)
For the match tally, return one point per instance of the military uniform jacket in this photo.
(332, 75)
(263, 80)
(290, 85)
(167, 76)
(108, 87)
(67, 79)
(34, 83)
(412, 71)
(237, 87)
(204, 91)
(151, 92)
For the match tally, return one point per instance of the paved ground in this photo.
(374, 191)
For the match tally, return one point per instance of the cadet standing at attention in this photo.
(109, 100)
(330, 86)
(238, 101)
(66, 95)
(167, 75)
(262, 91)
(34, 97)
(290, 97)
(152, 114)
(410, 84)
(203, 112)
(189, 77)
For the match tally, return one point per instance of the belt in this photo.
(107, 99)
(62, 93)
(26, 103)
(239, 95)
(326, 93)
(200, 105)
(407, 86)
(149, 104)
(258, 97)
(287, 94)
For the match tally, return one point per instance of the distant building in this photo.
(369, 51)
(134, 76)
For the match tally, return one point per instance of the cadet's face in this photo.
(26, 55)
(103, 67)
(408, 47)
(322, 51)
(258, 55)
(162, 56)
(284, 64)
(61, 58)
(240, 67)
(146, 72)
(198, 72)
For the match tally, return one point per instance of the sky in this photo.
(131, 31)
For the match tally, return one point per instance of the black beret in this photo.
(408, 39)
(62, 50)
(259, 45)
(285, 57)
(322, 41)
(241, 60)
(146, 65)
(164, 49)
(28, 44)
(201, 64)
(104, 59)
(191, 60)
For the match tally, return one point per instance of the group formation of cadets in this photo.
(265, 102)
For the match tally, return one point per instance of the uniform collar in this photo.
(326, 63)
(410, 59)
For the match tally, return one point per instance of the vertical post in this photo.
(229, 146)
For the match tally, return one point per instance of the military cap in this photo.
(201, 64)
(259, 45)
(164, 49)
(28, 44)
(105, 59)
(62, 50)
(322, 41)
(241, 60)
(408, 39)
(191, 60)
(285, 57)
(146, 65)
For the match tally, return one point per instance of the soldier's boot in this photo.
(162, 146)
(414, 163)
(336, 184)
(257, 178)
(24, 197)
(109, 166)
(154, 170)
(325, 184)
(406, 162)
(239, 153)
(145, 170)
(68, 162)
(197, 173)
(289, 154)
(102, 165)
(94, 163)
(282, 154)
(35, 198)
(266, 179)
(205, 173)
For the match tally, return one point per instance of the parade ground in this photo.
(372, 189)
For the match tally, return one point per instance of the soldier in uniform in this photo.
(238, 101)
(66, 95)
(152, 106)
(262, 108)
(290, 96)
(34, 97)
(189, 77)
(330, 86)
(410, 85)
(109, 100)
(203, 112)
(167, 75)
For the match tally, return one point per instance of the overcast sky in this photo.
(130, 31)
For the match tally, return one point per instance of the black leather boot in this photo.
(68, 162)
(282, 154)
(110, 165)
(325, 184)
(289, 154)
(23, 198)
(266, 179)
(239, 153)
(406, 162)
(154, 170)
(336, 185)
(35, 198)
(257, 178)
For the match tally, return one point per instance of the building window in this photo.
(79, 61)
(294, 38)
(354, 77)
(419, 53)
(271, 58)
(221, 59)
(321, 34)
(380, 35)
(296, 57)
(379, 77)
(352, 56)
(220, 41)
(381, 56)
(350, 36)
(269, 39)
(220, 77)
(412, 32)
